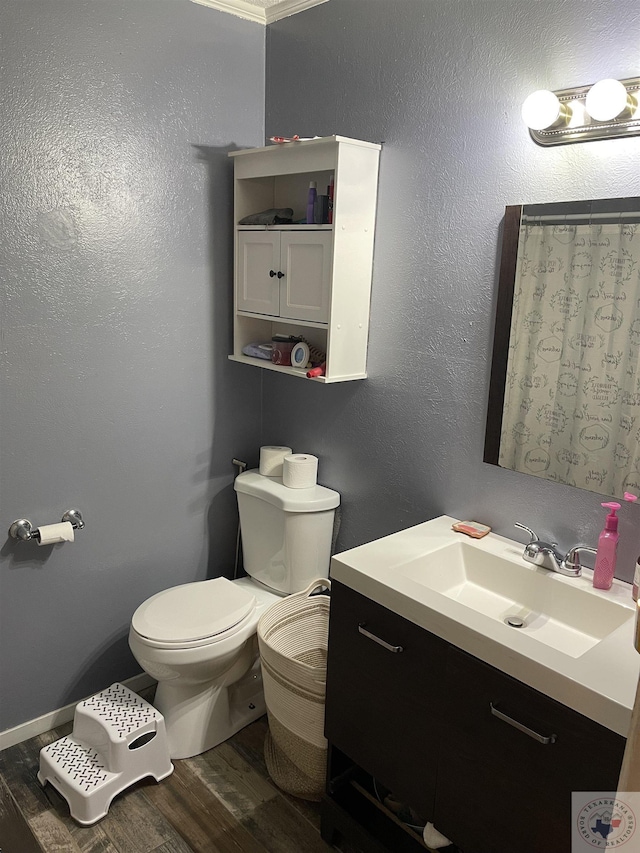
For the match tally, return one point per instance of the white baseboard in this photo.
(30, 729)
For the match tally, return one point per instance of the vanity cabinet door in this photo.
(501, 789)
(383, 703)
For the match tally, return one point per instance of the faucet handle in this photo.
(534, 536)
(572, 560)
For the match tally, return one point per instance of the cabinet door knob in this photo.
(272, 273)
(280, 274)
(383, 643)
(521, 727)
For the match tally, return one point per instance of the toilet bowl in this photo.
(198, 640)
(208, 671)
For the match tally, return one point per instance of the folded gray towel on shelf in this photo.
(273, 216)
(258, 350)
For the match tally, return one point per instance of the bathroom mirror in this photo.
(564, 399)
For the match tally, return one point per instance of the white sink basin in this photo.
(566, 617)
(576, 643)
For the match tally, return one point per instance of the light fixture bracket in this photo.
(582, 127)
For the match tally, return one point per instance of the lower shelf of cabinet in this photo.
(352, 813)
(293, 371)
(277, 368)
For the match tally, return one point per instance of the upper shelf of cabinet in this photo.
(318, 279)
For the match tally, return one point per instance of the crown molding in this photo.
(249, 12)
(285, 8)
(238, 8)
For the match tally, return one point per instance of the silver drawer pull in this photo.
(380, 642)
(520, 726)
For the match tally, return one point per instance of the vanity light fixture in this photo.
(606, 110)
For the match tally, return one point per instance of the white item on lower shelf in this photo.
(117, 739)
(434, 839)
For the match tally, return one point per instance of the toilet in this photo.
(198, 640)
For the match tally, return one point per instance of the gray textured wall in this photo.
(115, 270)
(442, 85)
(116, 393)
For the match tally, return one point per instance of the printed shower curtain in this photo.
(572, 396)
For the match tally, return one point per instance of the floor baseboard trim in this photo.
(31, 728)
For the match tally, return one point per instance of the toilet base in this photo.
(199, 717)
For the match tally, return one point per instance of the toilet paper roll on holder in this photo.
(23, 530)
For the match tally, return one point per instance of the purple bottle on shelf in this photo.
(311, 203)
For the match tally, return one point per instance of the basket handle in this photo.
(318, 583)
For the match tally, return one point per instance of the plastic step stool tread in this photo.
(81, 766)
(118, 710)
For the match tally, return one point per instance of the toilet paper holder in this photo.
(23, 530)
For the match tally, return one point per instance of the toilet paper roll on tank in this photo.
(271, 459)
(300, 471)
(297, 470)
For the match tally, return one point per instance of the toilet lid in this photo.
(193, 611)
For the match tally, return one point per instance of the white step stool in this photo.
(117, 739)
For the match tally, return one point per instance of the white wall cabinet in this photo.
(299, 279)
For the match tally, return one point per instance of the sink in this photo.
(522, 597)
(576, 644)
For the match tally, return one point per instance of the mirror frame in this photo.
(502, 331)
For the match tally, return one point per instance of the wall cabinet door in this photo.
(305, 260)
(258, 290)
(285, 274)
(382, 703)
(511, 760)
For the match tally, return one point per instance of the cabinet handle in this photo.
(383, 643)
(520, 726)
(280, 274)
(272, 273)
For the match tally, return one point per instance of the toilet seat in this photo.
(194, 614)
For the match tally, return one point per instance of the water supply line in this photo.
(241, 466)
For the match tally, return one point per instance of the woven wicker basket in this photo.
(292, 636)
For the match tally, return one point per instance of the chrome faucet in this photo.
(547, 556)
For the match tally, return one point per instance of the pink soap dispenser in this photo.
(607, 549)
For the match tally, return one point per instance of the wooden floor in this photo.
(219, 802)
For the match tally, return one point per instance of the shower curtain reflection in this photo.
(572, 393)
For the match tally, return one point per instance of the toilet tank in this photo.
(286, 533)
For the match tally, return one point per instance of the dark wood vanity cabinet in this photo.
(490, 761)
(511, 759)
(382, 705)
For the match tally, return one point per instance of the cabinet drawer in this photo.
(383, 695)
(512, 760)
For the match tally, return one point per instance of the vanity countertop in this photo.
(599, 683)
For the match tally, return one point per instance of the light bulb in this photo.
(606, 100)
(542, 109)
